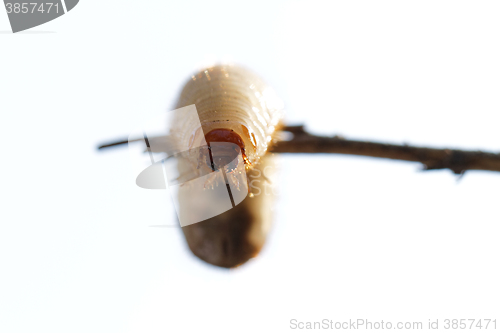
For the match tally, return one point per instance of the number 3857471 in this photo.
(32, 7)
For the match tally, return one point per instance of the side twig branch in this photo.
(456, 160)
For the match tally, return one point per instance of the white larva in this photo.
(234, 105)
(233, 99)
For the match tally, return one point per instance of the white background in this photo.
(353, 237)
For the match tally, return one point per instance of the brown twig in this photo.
(456, 160)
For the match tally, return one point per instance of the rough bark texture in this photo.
(456, 160)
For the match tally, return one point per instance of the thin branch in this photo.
(456, 160)
(112, 144)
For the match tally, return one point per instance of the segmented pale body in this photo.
(234, 99)
(233, 105)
